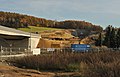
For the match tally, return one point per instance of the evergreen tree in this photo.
(99, 40)
(107, 36)
(118, 38)
(113, 38)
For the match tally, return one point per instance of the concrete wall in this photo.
(33, 42)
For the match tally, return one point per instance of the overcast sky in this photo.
(100, 12)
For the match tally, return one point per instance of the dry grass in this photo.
(102, 64)
(37, 29)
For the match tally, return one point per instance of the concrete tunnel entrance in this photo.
(14, 44)
(16, 40)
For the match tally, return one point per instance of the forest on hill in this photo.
(16, 20)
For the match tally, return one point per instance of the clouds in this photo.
(97, 11)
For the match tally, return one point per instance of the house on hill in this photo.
(16, 40)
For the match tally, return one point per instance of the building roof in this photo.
(14, 32)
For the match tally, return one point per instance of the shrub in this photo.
(102, 64)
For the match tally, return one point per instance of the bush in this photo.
(102, 64)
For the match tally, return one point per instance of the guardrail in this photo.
(16, 51)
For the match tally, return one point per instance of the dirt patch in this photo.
(11, 71)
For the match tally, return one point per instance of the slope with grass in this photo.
(37, 29)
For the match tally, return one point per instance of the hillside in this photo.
(15, 20)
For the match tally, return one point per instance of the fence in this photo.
(13, 50)
(22, 50)
(52, 50)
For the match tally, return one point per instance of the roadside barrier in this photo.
(22, 50)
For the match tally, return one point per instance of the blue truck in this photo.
(80, 47)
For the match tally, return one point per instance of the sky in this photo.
(99, 12)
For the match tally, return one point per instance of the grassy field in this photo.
(37, 29)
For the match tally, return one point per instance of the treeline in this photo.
(72, 24)
(16, 20)
(111, 39)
